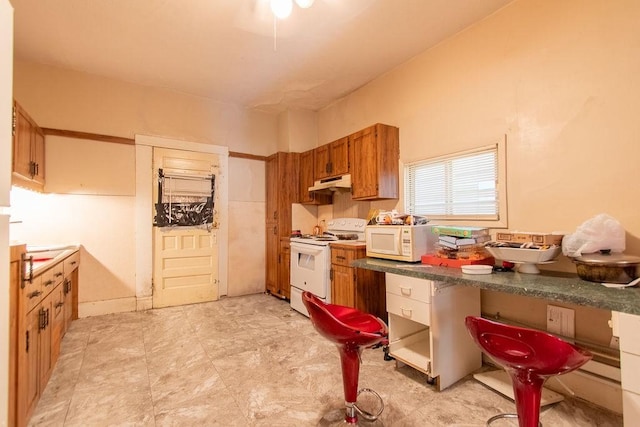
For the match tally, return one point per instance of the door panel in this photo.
(185, 259)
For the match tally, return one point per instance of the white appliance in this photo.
(311, 259)
(400, 242)
(336, 183)
(6, 103)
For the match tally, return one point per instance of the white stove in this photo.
(311, 259)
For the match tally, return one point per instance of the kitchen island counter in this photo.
(552, 286)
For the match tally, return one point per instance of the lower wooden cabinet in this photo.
(44, 305)
(29, 351)
(15, 278)
(284, 268)
(356, 287)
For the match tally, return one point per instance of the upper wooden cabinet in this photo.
(332, 159)
(307, 178)
(28, 151)
(375, 152)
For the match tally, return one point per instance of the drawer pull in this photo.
(406, 310)
(73, 263)
(57, 275)
(405, 291)
(340, 257)
(48, 283)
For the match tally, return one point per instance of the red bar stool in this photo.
(350, 330)
(530, 357)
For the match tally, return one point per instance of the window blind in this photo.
(463, 186)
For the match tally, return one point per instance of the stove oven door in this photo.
(310, 265)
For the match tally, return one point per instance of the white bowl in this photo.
(477, 269)
(529, 256)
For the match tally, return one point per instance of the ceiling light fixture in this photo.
(282, 8)
(304, 4)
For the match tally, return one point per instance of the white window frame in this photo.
(501, 220)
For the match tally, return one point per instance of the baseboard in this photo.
(580, 384)
(144, 303)
(499, 381)
(98, 308)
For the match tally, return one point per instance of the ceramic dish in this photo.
(530, 256)
(477, 269)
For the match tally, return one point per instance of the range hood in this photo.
(333, 184)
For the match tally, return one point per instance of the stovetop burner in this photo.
(343, 229)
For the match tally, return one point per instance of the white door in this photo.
(185, 257)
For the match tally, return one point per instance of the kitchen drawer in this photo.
(343, 256)
(409, 287)
(71, 263)
(630, 366)
(409, 309)
(52, 278)
(30, 295)
(630, 408)
(628, 325)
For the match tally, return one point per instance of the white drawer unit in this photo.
(409, 309)
(626, 326)
(427, 330)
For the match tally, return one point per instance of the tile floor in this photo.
(246, 361)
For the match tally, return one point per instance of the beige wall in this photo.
(246, 226)
(63, 99)
(104, 224)
(560, 79)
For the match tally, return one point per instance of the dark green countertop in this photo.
(550, 286)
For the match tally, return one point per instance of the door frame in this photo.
(144, 206)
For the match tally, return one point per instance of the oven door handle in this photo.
(302, 249)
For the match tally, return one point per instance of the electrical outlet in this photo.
(561, 321)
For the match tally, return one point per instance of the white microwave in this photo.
(399, 242)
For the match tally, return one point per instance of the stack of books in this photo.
(462, 242)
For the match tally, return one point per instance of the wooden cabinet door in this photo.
(28, 366)
(339, 164)
(307, 179)
(271, 178)
(364, 178)
(22, 144)
(284, 274)
(322, 160)
(37, 155)
(374, 163)
(370, 295)
(272, 241)
(46, 365)
(288, 190)
(28, 151)
(16, 342)
(306, 176)
(342, 285)
(57, 321)
(68, 298)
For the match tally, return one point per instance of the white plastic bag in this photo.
(598, 233)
